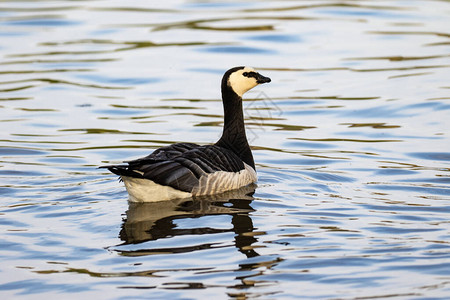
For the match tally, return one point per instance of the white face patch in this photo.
(240, 83)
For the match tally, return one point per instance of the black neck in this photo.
(233, 137)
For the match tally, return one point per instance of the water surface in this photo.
(350, 140)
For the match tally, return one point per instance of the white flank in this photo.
(144, 190)
(222, 181)
(241, 84)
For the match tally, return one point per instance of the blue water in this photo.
(350, 139)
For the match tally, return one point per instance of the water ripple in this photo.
(350, 141)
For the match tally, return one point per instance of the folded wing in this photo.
(181, 165)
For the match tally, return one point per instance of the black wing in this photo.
(180, 165)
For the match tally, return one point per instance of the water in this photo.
(350, 139)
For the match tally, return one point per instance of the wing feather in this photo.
(181, 165)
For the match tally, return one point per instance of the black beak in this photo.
(262, 79)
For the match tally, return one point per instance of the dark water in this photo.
(351, 141)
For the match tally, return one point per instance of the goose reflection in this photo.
(152, 221)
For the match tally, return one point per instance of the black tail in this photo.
(122, 170)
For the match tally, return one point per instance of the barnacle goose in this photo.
(185, 170)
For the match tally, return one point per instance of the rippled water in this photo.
(351, 141)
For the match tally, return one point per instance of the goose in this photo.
(185, 170)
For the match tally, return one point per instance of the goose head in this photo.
(242, 79)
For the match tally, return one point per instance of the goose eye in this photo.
(245, 74)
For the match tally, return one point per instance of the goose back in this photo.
(189, 168)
